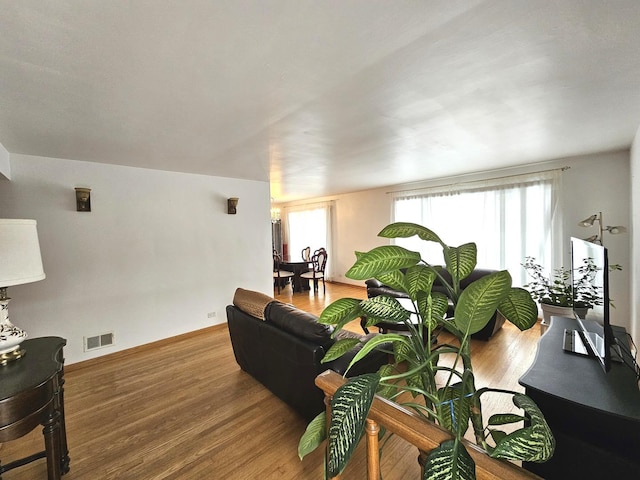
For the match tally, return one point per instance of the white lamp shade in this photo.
(20, 259)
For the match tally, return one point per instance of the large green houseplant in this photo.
(411, 379)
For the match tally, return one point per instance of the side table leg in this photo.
(64, 449)
(52, 444)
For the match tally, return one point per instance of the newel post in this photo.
(373, 450)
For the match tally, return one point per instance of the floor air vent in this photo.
(99, 341)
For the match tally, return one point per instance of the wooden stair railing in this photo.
(416, 430)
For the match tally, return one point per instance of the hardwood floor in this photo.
(185, 410)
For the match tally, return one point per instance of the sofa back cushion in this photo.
(253, 303)
(299, 323)
(378, 288)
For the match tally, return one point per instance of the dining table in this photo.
(297, 267)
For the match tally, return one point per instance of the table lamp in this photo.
(20, 262)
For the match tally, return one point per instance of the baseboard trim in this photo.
(337, 282)
(141, 348)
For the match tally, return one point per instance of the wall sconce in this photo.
(232, 205)
(597, 217)
(275, 214)
(83, 199)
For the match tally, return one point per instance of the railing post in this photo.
(373, 451)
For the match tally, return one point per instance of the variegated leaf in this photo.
(371, 321)
(497, 436)
(384, 308)
(519, 308)
(314, 435)
(406, 230)
(461, 261)
(339, 348)
(449, 461)
(534, 443)
(454, 408)
(505, 419)
(432, 308)
(394, 279)
(341, 312)
(402, 351)
(349, 409)
(419, 278)
(479, 301)
(380, 260)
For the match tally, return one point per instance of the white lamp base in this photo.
(10, 336)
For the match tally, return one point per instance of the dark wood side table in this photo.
(32, 394)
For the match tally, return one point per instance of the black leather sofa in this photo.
(283, 352)
(376, 288)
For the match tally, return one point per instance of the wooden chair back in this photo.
(277, 260)
(319, 260)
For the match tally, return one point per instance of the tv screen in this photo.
(590, 282)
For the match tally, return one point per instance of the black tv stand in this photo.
(594, 416)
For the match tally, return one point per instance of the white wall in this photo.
(593, 183)
(155, 256)
(635, 245)
(601, 183)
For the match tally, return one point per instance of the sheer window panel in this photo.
(309, 226)
(508, 219)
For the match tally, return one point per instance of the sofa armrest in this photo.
(373, 283)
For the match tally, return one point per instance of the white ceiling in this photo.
(319, 96)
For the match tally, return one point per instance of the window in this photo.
(308, 226)
(508, 219)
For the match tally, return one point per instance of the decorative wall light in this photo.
(597, 238)
(275, 214)
(232, 205)
(83, 199)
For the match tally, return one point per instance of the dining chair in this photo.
(280, 275)
(319, 262)
(306, 254)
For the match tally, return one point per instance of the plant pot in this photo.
(581, 311)
(549, 311)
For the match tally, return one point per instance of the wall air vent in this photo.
(98, 341)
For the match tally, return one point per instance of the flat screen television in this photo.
(594, 336)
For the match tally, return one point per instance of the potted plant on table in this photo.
(556, 294)
(411, 378)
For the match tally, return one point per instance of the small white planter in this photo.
(549, 311)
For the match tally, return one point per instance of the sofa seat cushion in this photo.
(253, 303)
(299, 323)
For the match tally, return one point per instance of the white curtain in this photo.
(508, 218)
(309, 225)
